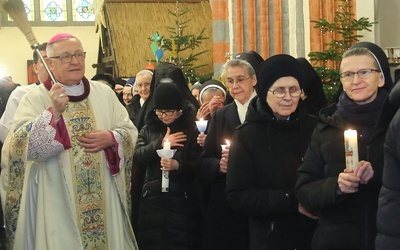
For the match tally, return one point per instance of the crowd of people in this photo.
(112, 164)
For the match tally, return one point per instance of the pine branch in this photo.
(179, 42)
(345, 26)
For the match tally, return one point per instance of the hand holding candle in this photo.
(351, 149)
(168, 153)
(223, 146)
(223, 164)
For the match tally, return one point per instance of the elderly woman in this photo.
(142, 85)
(264, 155)
(346, 200)
(225, 228)
(127, 93)
(212, 97)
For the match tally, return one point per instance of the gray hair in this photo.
(361, 52)
(50, 47)
(237, 63)
(144, 72)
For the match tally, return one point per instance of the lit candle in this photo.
(225, 145)
(351, 148)
(201, 125)
(167, 145)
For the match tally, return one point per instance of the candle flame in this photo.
(227, 142)
(201, 119)
(350, 132)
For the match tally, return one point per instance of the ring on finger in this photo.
(61, 95)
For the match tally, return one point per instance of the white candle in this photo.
(165, 181)
(167, 145)
(201, 125)
(351, 148)
(165, 174)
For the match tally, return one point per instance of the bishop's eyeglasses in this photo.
(67, 57)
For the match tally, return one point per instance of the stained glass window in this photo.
(53, 10)
(59, 12)
(82, 10)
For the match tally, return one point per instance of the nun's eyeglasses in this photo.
(281, 92)
(239, 81)
(362, 73)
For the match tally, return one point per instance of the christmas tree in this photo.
(180, 44)
(342, 33)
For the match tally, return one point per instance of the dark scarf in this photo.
(366, 114)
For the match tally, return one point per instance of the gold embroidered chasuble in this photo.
(86, 190)
(88, 178)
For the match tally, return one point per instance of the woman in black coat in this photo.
(169, 220)
(346, 200)
(265, 152)
(388, 221)
(167, 72)
(225, 228)
(142, 87)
